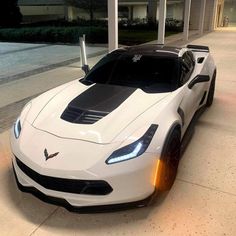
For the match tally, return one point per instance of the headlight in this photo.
(134, 149)
(17, 128)
(20, 120)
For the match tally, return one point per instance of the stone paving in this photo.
(21, 60)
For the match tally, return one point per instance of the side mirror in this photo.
(199, 79)
(86, 69)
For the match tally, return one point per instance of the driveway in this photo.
(19, 60)
(201, 202)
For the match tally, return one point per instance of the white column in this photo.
(187, 9)
(214, 14)
(202, 16)
(112, 24)
(162, 21)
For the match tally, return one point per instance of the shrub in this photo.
(54, 34)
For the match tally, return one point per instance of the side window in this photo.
(190, 54)
(187, 60)
(187, 67)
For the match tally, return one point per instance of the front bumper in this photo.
(84, 209)
(122, 196)
(131, 181)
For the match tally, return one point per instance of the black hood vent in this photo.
(95, 103)
(78, 116)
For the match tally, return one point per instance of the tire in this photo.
(169, 162)
(211, 92)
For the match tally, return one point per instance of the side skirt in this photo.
(190, 130)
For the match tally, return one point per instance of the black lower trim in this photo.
(85, 209)
(190, 130)
(203, 98)
(181, 114)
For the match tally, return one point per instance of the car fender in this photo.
(38, 103)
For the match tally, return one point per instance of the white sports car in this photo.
(113, 138)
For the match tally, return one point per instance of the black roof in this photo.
(152, 49)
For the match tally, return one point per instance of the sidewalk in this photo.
(22, 60)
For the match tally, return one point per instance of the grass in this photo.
(132, 37)
(50, 34)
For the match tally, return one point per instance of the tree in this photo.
(10, 15)
(89, 5)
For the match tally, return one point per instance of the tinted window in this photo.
(187, 67)
(187, 61)
(190, 54)
(152, 74)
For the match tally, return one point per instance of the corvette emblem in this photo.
(49, 156)
(137, 58)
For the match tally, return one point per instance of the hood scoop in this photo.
(95, 103)
(78, 116)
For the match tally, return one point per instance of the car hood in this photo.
(118, 105)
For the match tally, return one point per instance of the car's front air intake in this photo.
(77, 186)
(78, 116)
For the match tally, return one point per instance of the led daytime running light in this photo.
(134, 149)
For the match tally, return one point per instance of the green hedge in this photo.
(54, 34)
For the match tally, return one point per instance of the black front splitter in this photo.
(85, 209)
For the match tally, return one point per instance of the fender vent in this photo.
(200, 60)
(78, 116)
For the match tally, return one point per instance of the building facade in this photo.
(217, 12)
(42, 10)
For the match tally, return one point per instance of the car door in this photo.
(191, 97)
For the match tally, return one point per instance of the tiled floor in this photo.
(202, 200)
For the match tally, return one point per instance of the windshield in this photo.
(149, 73)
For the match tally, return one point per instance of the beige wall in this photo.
(81, 13)
(175, 11)
(178, 11)
(208, 15)
(42, 10)
(72, 13)
(42, 13)
(140, 11)
(230, 11)
(195, 14)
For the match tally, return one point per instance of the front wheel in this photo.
(169, 162)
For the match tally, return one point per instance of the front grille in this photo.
(92, 187)
(78, 116)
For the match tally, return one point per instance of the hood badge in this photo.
(49, 156)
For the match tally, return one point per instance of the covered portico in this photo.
(199, 14)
